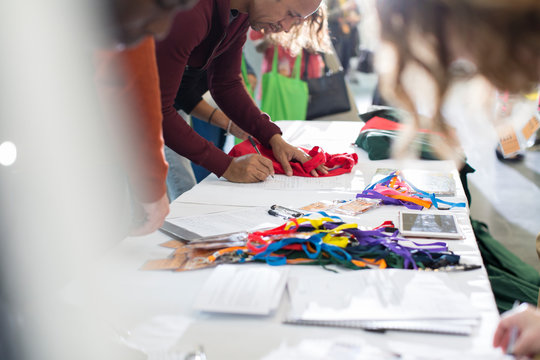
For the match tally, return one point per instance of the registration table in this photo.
(162, 302)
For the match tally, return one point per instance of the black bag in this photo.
(365, 63)
(328, 94)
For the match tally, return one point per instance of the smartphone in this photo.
(419, 224)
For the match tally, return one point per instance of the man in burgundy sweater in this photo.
(210, 37)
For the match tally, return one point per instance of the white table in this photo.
(136, 296)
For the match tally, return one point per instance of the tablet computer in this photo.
(419, 224)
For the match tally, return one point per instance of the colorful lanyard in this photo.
(331, 237)
(396, 190)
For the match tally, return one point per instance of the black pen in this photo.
(256, 149)
(254, 144)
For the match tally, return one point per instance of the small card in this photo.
(165, 264)
(508, 140)
(320, 206)
(530, 127)
(357, 207)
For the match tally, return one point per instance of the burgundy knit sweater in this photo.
(208, 37)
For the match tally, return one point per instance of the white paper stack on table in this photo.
(254, 289)
(224, 222)
(389, 299)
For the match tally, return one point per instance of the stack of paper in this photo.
(382, 300)
(251, 219)
(243, 289)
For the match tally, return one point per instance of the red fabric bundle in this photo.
(336, 163)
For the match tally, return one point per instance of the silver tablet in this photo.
(419, 224)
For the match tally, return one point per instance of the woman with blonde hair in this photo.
(311, 35)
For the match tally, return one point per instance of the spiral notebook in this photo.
(389, 299)
(445, 327)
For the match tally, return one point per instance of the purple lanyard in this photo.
(372, 194)
(391, 242)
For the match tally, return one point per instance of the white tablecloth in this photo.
(135, 297)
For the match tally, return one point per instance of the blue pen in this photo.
(513, 334)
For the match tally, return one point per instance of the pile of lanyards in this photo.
(326, 239)
(394, 189)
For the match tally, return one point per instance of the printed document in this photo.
(243, 289)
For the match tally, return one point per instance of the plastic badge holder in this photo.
(357, 207)
(324, 205)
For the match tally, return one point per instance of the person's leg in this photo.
(211, 133)
(180, 177)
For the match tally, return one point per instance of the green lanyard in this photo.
(245, 77)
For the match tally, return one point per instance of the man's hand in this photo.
(152, 217)
(285, 152)
(249, 168)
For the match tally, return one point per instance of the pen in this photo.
(275, 213)
(254, 145)
(256, 149)
(513, 334)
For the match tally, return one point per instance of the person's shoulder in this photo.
(200, 15)
(191, 25)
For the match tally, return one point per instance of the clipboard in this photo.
(177, 232)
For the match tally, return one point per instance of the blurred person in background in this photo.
(127, 75)
(311, 37)
(63, 192)
(455, 40)
(448, 41)
(343, 20)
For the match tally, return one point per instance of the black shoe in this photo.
(514, 158)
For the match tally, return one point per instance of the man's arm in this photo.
(229, 92)
(172, 56)
(232, 97)
(129, 79)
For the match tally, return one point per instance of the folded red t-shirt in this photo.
(336, 163)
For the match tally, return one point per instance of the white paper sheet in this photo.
(354, 348)
(229, 221)
(216, 192)
(389, 294)
(243, 289)
(348, 182)
(217, 195)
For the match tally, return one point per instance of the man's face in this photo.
(134, 19)
(271, 16)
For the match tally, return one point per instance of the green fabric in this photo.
(284, 98)
(378, 143)
(511, 279)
